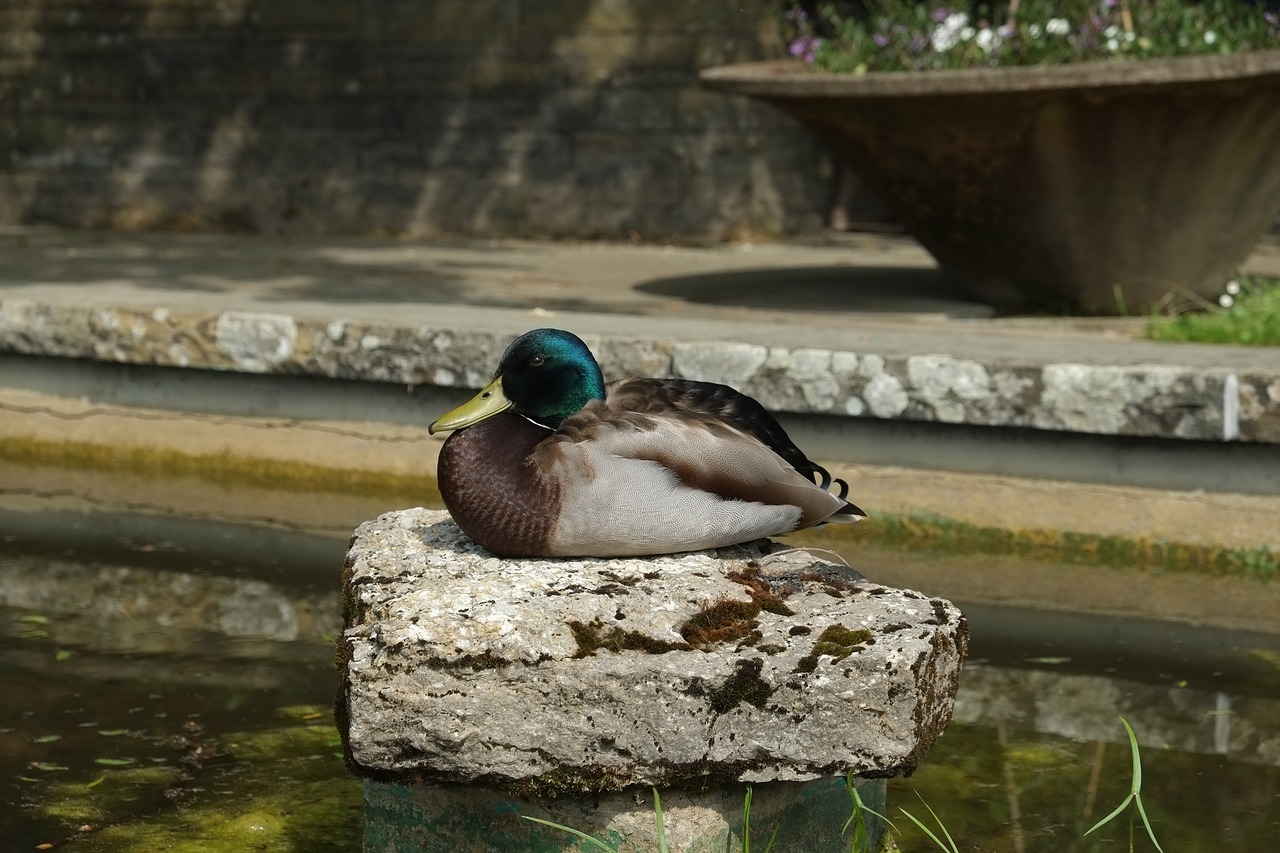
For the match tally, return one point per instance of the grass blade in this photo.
(746, 821)
(1142, 812)
(1136, 785)
(773, 836)
(662, 829)
(926, 830)
(951, 842)
(859, 806)
(1114, 814)
(594, 842)
(1135, 793)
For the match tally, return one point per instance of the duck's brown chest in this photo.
(494, 488)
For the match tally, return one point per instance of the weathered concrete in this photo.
(441, 315)
(1141, 399)
(586, 675)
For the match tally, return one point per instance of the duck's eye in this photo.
(538, 361)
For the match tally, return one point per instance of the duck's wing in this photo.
(720, 402)
(635, 483)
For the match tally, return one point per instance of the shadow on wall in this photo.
(508, 117)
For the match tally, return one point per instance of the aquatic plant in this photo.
(1134, 796)
(859, 812)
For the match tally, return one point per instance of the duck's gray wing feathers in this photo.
(640, 484)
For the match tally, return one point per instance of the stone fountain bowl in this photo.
(1104, 188)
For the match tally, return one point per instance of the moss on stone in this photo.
(744, 685)
(720, 622)
(761, 592)
(593, 636)
(837, 641)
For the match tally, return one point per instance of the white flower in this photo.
(1233, 287)
(948, 32)
(967, 33)
(1034, 31)
(1113, 45)
(987, 39)
(1226, 301)
(1111, 31)
(1058, 27)
(1210, 36)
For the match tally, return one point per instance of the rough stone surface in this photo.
(1155, 400)
(599, 675)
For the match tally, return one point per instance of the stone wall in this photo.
(559, 118)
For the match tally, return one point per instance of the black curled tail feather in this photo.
(822, 479)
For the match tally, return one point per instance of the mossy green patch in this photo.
(593, 636)
(119, 793)
(744, 685)
(284, 789)
(761, 593)
(929, 533)
(224, 468)
(720, 622)
(837, 641)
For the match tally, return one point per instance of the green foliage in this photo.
(861, 840)
(592, 842)
(859, 812)
(1249, 314)
(596, 844)
(950, 846)
(902, 35)
(1134, 796)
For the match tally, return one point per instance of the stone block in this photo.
(545, 677)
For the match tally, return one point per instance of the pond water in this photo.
(168, 684)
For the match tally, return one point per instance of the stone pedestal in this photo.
(474, 687)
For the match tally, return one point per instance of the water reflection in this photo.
(162, 627)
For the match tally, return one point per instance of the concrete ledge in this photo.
(862, 328)
(1019, 389)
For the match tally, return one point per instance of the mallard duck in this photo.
(549, 461)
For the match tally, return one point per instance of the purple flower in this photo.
(940, 14)
(881, 39)
(804, 47)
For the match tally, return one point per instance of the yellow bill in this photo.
(489, 402)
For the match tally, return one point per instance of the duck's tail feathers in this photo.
(822, 479)
(847, 514)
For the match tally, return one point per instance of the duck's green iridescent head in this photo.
(545, 375)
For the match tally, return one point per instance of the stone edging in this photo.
(1153, 400)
